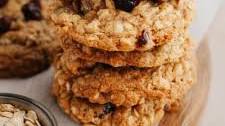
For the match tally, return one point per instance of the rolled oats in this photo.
(10, 115)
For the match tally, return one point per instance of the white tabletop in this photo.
(215, 112)
(206, 11)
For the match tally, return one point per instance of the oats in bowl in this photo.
(10, 115)
(17, 110)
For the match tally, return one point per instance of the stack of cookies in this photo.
(125, 62)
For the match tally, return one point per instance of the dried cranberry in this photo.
(158, 1)
(82, 7)
(126, 5)
(5, 23)
(74, 5)
(143, 39)
(77, 6)
(32, 11)
(3, 3)
(37, 2)
(108, 108)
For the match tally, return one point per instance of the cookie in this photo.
(103, 24)
(27, 42)
(128, 86)
(89, 114)
(169, 52)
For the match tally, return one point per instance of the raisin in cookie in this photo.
(89, 114)
(121, 25)
(27, 42)
(129, 86)
(169, 52)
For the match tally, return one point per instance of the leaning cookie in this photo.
(129, 86)
(82, 111)
(169, 52)
(120, 25)
(27, 42)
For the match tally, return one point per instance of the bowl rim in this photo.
(33, 102)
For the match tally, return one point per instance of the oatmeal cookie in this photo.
(110, 24)
(169, 52)
(27, 42)
(90, 114)
(129, 86)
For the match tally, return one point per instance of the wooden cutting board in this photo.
(196, 99)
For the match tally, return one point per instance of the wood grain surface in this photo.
(195, 101)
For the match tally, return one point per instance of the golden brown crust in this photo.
(17, 61)
(28, 47)
(169, 52)
(129, 86)
(115, 30)
(90, 114)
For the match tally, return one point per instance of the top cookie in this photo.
(121, 25)
(27, 42)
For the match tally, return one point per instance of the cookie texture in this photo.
(27, 42)
(102, 24)
(129, 86)
(89, 114)
(169, 52)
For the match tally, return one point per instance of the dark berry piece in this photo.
(82, 7)
(3, 3)
(32, 11)
(108, 108)
(37, 2)
(126, 5)
(143, 39)
(77, 6)
(158, 1)
(167, 107)
(5, 23)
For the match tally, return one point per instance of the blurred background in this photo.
(209, 26)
